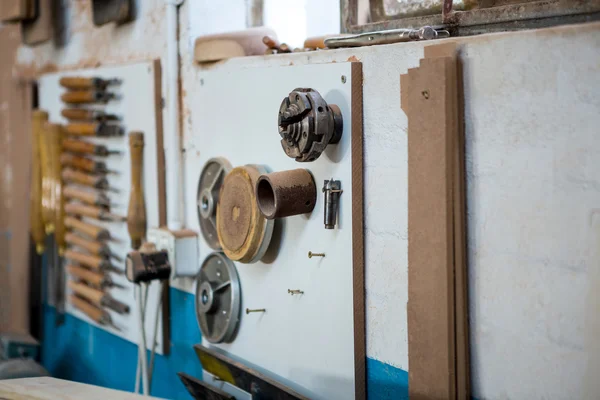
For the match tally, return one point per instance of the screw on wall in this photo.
(295, 291)
(311, 254)
(249, 310)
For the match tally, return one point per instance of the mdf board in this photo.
(139, 107)
(15, 159)
(429, 99)
(315, 342)
(39, 30)
(13, 10)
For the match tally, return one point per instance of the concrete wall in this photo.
(533, 151)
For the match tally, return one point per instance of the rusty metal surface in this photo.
(286, 193)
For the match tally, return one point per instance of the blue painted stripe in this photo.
(386, 382)
(81, 352)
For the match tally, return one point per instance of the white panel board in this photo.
(136, 106)
(306, 340)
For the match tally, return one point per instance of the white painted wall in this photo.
(532, 116)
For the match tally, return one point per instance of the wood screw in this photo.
(311, 254)
(295, 291)
(248, 310)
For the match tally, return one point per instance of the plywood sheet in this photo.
(139, 107)
(315, 343)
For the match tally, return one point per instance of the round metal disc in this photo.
(218, 299)
(209, 185)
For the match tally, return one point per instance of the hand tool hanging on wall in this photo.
(38, 234)
(93, 197)
(218, 299)
(98, 129)
(55, 139)
(93, 231)
(307, 124)
(79, 146)
(84, 164)
(96, 314)
(97, 248)
(82, 114)
(207, 197)
(82, 178)
(96, 279)
(86, 83)
(136, 211)
(94, 262)
(87, 96)
(332, 190)
(244, 233)
(386, 37)
(98, 297)
(286, 193)
(98, 213)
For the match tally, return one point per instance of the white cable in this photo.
(139, 359)
(155, 333)
(142, 343)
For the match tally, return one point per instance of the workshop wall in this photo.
(533, 196)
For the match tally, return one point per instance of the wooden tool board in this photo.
(315, 342)
(139, 107)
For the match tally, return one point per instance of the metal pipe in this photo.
(286, 193)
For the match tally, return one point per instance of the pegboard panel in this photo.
(136, 105)
(313, 342)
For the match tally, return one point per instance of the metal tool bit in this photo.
(386, 37)
(332, 190)
(87, 96)
(82, 114)
(99, 129)
(83, 83)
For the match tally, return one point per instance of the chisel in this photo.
(93, 231)
(98, 213)
(83, 163)
(92, 197)
(82, 178)
(136, 212)
(98, 297)
(36, 219)
(83, 114)
(96, 263)
(83, 83)
(96, 248)
(86, 96)
(98, 129)
(79, 146)
(96, 314)
(91, 277)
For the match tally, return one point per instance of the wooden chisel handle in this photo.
(85, 96)
(82, 163)
(96, 232)
(93, 295)
(82, 83)
(96, 181)
(88, 260)
(39, 118)
(86, 211)
(136, 212)
(78, 146)
(89, 197)
(82, 129)
(95, 313)
(78, 114)
(91, 277)
(95, 248)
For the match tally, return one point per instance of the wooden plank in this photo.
(429, 105)
(16, 10)
(463, 389)
(39, 30)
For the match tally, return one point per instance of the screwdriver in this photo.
(92, 197)
(96, 248)
(96, 314)
(79, 146)
(136, 212)
(92, 277)
(98, 213)
(98, 297)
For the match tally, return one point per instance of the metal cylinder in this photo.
(332, 190)
(286, 193)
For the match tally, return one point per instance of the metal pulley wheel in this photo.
(244, 233)
(218, 299)
(209, 185)
(307, 124)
